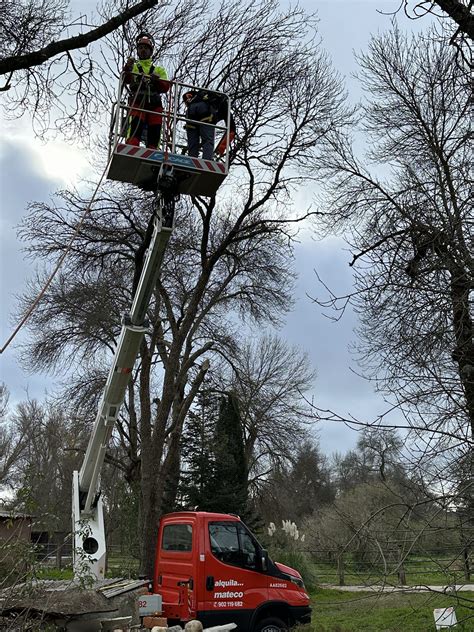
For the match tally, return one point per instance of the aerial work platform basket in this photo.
(140, 165)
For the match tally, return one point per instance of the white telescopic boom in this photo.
(88, 522)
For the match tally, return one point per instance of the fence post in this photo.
(402, 580)
(340, 566)
(466, 565)
(59, 555)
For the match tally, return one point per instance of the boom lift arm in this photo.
(177, 174)
(87, 510)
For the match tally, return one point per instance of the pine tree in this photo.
(230, 468)
(215, 474)
(197, 478)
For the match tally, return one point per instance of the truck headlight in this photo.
(299, 582)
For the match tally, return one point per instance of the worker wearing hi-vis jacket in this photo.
(147, 82)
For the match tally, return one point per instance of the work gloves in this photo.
(129, 65)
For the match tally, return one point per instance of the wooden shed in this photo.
(15, 525)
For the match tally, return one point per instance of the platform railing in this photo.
(173, 134)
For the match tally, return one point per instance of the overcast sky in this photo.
(30, 170)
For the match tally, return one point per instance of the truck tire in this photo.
(271, 624)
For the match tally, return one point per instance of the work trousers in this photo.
(140, 120)
(201, 133)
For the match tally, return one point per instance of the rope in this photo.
(76, 232)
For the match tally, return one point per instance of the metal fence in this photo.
(337, 566)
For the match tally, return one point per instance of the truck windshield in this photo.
(233, 544)
(177, 537)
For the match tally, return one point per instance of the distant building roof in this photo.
(7, 513)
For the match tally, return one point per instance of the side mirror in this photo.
(264, 560)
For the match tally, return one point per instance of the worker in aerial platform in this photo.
(204, 108)
(147, 83)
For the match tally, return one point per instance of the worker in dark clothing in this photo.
(205, 109)
(147, 82)
(199, 129)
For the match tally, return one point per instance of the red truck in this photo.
(210, 567)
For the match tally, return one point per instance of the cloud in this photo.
(337, 387)
(22, 180)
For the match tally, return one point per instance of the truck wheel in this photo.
(271, 624)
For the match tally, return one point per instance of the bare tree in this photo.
(78, 314)
(406, 210)
(13, 439)
(44, 469)
(455, 19)
(458, 10)
(270, 378)
(230, 255)
(27, 27)
(54, 65)
(411, 231)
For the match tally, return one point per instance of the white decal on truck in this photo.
(224, 583)
(228, 595)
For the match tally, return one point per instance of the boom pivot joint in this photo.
(166, 195)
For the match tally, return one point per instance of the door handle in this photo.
(209, 582)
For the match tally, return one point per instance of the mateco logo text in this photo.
(229, 594)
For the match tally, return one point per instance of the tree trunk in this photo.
(461, 14)
(463, 328)
(172, 465)
(147, 517)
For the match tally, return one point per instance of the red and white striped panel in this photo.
(178, 160)
(133, 150)
(209, 165)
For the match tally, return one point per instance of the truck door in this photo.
(175, 566)
(234, 584)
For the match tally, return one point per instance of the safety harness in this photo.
(200, 108)
(143, 88)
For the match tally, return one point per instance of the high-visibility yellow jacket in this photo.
(147, 82)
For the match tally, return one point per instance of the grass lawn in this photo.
(336, 611)
(53, 573)
(122, 566)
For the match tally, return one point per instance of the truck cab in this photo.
(210, 567)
